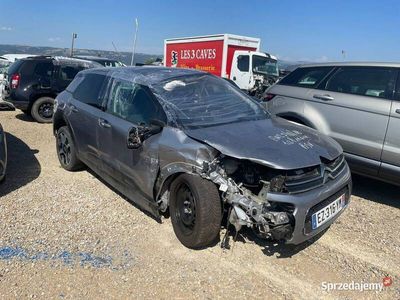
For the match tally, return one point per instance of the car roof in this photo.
(146, 75)
(96, 58)
(355, 64)
(65, 60)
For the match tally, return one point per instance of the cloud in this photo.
(54, 39)
(5, 28)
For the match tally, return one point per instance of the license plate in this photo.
(328, 212)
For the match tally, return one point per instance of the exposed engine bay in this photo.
(245, 186)
(262, 82)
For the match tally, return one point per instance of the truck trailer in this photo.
(234, 57)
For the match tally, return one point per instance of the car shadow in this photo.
(25, 117)
(22, 166)
(375, 190)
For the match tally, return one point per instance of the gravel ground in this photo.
(68, 235)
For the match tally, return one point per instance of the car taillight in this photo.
(268, 97)
(15, 78)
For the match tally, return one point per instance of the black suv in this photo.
(33, 83)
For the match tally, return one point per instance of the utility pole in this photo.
(74, 36)
(134, 40)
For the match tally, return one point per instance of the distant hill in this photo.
(124, 57)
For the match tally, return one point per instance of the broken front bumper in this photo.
(305, 203)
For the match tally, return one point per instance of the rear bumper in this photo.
(20, 99)
(23, 105)
(304, 202)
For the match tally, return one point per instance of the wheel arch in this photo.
(59, 121)
(168, 173)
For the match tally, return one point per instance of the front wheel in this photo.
(195, 208)
(42, 110)
(66, 150)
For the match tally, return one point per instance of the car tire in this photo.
(196, 212)
(42, 110)
(66, 150)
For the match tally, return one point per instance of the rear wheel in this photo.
(42, 110)
(195, 208)
(66, 150)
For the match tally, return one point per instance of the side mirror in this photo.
(137, 135)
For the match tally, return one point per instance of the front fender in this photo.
(169, 172)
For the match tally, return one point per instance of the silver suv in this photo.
(357, 104)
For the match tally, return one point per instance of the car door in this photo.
(83, 110)
(129, 106)
(390, 168)
(240, 72)
(354, 105)
(289, 96)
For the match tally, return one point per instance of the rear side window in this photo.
(365, 81)
(89, 89)
(44, 69)
(306, 77)
(68, 73)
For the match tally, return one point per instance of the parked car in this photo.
(191, 143)
(105, 62)
(4, 64)
(357, 104)
(3, 154)
(34, 82)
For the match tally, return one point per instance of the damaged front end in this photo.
(261, 83)
(245, 186)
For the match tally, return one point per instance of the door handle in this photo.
(397, 111)
(104, 123)
(323, 97)
(234, 77)
(73, 108)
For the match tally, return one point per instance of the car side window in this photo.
(89, 89)
(132, 102)
(366, 81)
(243, 63)
(308, 77)
(68, 73)
(44, 69)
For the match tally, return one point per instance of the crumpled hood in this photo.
(273, 142)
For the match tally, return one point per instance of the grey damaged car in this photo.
(191, 144)
(3, 154)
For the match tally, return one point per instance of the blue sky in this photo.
(294, 30)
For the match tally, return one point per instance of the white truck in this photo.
(234, 57)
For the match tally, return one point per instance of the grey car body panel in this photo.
(3, 153)
(275, 134)
(140, 173)
(366, 127)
